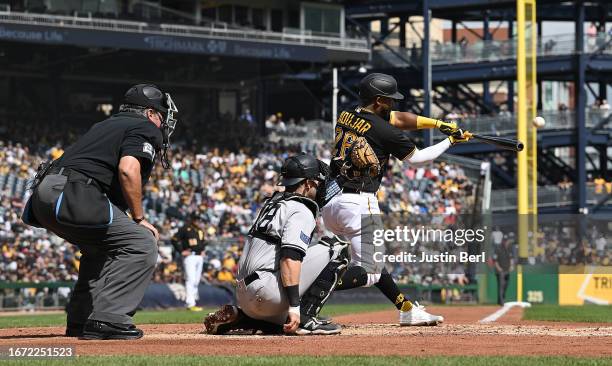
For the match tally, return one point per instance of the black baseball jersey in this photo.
(384, 138)
(97, 153)
(189, 237)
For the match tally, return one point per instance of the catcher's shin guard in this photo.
(315, 297)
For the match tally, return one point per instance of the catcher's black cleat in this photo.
(95, 329)
(315, 327)
(221, 321)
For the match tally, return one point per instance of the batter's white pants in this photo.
(192, 265)
(344, 215)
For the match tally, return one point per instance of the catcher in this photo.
(365, 138)
(283, 280)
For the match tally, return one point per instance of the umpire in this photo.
(84, 197)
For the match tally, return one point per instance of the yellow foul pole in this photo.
(526, 159)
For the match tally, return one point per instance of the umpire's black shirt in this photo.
(97, 153)
(384, 138)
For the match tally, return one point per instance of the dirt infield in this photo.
(364, 334)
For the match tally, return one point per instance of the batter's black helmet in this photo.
(299, 167)
(378, 85)
(147, 95)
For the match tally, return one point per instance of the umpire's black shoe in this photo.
(95, 329)
(74, 329)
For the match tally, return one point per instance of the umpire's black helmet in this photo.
(147, 95)
(300, 167)
(378, 85)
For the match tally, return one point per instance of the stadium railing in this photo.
(212, 30)
(548, 196)
(555, 120)
(314, 130)
(492, 50)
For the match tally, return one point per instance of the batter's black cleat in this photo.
(74, 330)
(95, 329)
(221, 321)
(315, 327)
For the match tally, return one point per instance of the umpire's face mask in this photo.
(167, 127)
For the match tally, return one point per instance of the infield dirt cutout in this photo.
(374, 333)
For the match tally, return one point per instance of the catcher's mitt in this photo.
(362, 161)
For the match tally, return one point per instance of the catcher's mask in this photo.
(151, 96)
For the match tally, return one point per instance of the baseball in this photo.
(539, 122)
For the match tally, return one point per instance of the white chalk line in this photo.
(503, 310)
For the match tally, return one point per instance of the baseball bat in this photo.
(504, 143)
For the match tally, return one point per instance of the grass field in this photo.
(323, 361)
(586, 313)
(537, 312)
(166, 316)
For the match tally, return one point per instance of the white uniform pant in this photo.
(265, 298)
(354, 217)
(192, 265)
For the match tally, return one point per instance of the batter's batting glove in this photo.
(447, 128)
(459, 136)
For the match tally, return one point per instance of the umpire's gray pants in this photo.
(265, 298)
(117, 261)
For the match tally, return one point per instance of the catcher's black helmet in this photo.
(299, 167)
(378, 85)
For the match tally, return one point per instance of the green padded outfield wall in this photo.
(540, 285)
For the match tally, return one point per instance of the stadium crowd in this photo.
(225, 187)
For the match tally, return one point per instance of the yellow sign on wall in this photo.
(579, 285)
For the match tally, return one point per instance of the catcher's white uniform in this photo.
(283, 221)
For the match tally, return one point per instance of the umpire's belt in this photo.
(74, 176)
(82, 203)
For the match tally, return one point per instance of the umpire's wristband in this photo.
(293, 295)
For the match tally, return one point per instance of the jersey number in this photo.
(265, 217)
(343, 141)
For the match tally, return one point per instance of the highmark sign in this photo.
(164, 43)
